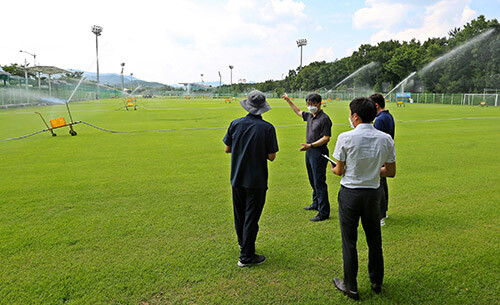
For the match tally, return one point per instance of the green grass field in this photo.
(146, 218)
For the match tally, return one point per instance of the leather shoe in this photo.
(341, 286)
(255, 261)
(319, 218)
(377, 288)
(311, 208)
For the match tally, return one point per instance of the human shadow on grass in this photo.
(427, 220)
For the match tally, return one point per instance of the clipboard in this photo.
(326, 157)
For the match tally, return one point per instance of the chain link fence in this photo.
(22, 94)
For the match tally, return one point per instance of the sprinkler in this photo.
(130, 100)
(58, 123)
(61, 122)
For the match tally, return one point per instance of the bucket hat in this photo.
(255, 103)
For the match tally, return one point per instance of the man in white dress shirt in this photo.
(361, 153)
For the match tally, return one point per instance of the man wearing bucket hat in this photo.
(251, 142)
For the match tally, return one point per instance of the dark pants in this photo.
(384, 204)
(247, 207)
(364, 204)
(316, 171)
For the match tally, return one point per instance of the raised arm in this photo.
(292, 105)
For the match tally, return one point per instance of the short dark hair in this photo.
(314, 98)
(378, 99)
(364, 108)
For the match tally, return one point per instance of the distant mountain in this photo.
(115, 80)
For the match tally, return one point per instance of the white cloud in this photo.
(167, 41)
(325, 54)
(288, 7)
(467, 15)
(380, 14)
(436, 20)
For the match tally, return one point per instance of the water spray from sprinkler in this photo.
(372, 64)
(402, 82)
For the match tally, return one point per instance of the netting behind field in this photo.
(451, 98)
(22, 94)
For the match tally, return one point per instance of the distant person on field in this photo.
(361, 153)
(251, 142)
(384, 122)
(318, 133)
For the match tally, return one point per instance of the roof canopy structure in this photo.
(51, 70)
(5, 76)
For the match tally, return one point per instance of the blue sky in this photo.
(177, 41)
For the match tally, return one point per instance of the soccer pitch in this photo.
(146, 217)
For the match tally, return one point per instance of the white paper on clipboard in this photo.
(326, 157)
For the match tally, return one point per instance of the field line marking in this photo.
(453, 119)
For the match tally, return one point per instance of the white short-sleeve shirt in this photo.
(364, 151)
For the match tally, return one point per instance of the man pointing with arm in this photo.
(318, 133)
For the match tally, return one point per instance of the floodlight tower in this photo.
(220, 80)
(201, 78)
(97, 30)
(231, 68)
(121, 74)
(301, 43)
(131, 77)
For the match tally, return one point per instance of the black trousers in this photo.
(247, 207)
(384, 204)
(353, 205)
(316, 171)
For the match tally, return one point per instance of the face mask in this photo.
(312, 109)
(350, 122)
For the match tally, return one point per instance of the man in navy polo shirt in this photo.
(383, 122)
(251, 142)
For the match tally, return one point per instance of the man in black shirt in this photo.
(251, 142)
(318, 133)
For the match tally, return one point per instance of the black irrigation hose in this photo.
(214, 128)
(28, 135)
(159, 130)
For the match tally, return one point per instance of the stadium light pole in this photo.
(26, 74)
(131, 77)
(97, 30)
(301, 43)
(121, 74)
(201, 78)
(231, 68)
(32, 54)
(34, 64)
(220, 82)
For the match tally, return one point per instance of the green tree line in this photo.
(470, 68)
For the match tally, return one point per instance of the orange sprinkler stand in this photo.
(59, 122)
